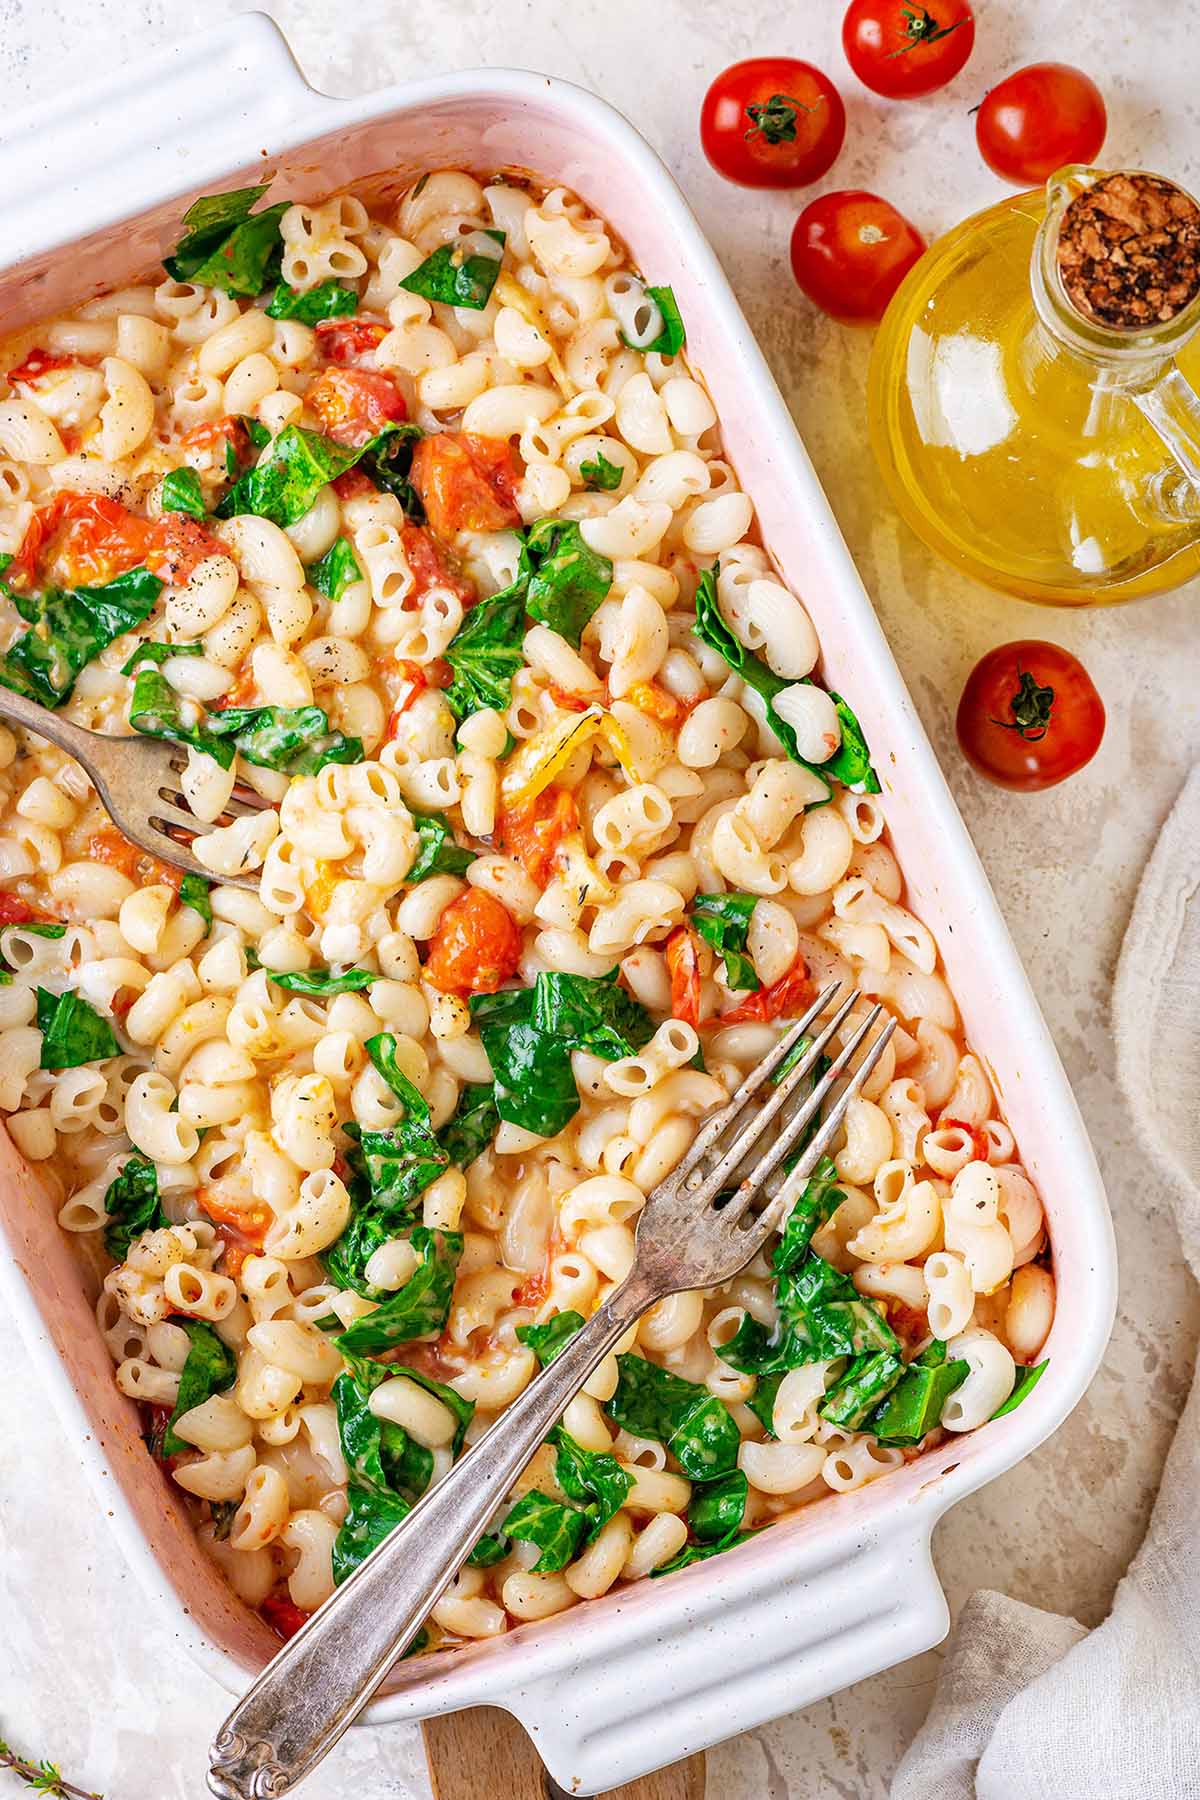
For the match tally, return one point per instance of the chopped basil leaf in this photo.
(154, 710)
(914, 1406)
(860, 1388)
(195, 892)
(547, 1340)
(181, 492)
(418, 1309)
(285, 483)
(132, 1205)
(387, 460)
(599, 473)
(695, 1426)
(72, 1031)
(255, 430)
(150, 652)
(723, 920)
(1027, 1379)
(851, 761)
(821, 1315)
(488, 1551)
(43, 928)
(472, 1126)
(594, 1478)
(762, 1401)
(328, 300)
(317, 983)
(591, 1012)
(210, 1368)
(718, 1507)
(568, 579)
(294, 740)
(555, 1529)
(226, 245)
(70, 627)
(456, 277)
(336, 571)
(485, 653)
(692, 1553)
(439, 854)
(672, 337)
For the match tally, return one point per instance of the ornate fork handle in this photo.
(320, 1681)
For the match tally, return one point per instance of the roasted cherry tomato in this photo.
(534, 832)
(850, 252)
(476, 947)
(466, 482)
(1037, 120)
(903, 50)
(108, 845)
(283, 1615)
(431, 565)
(351, 340)
(1029, 716)
(782, 1000)
(683, 964)
(176, 544)
(772, 122)
(354, 404)
(39, 363)
(15, 911)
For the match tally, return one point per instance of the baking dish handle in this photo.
(707, 1662)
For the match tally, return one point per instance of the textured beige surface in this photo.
(85, 1674)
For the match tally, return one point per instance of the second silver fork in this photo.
(695, 1231)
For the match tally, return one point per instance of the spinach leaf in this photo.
(723, 920)
(695, 1426)
(547, 1340)
(226, 245)
(70, 627)
(851, 761)
(860, 1388)
(457, 277)
(43, 928)
(486, 652)
(285, 483)
(534, 1084)
(149, 652)
(600, 474)
(72, 1031)
(557, 1530)
(387, 460)
(717, 1508)
(762, 1400)
(195, 892)
(1027, 1379)
(420, 1308)
(328, 300)
(295, 740)
(812, 1209)
(318, 983)
(693, 1553)
(590, 1012)
(181, 492)
(568, 579)
(210, 1368)
(439, 854)
(914, 1406)
(336, 571)
(488, 1551)
(132, 1205)
(386, 1473)
(399, 1164)
(672, 337)
(472, 1126)
(154, 710)
(821, 1316)
(594, 1478)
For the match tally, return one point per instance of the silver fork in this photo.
(692, 1233)
(137, 779)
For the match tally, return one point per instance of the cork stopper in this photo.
(1129, 252)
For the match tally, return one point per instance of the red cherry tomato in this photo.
(772, 122)
(902, 49)
(850, 252)
(1029, 716)
(1037, 120)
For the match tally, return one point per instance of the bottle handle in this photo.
(1172, 405)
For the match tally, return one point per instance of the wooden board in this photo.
(483, 1754)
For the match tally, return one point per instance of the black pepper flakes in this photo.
(1129, 251)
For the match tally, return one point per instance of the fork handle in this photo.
(17, 710)
(320, 1681)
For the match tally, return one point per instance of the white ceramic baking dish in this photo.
(94, 188)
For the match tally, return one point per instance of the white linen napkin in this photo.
(1031, 1706)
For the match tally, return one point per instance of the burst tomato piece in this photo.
(1029, 715)
(214, 434)
(353, 485)
(535, 1289)
(431, 567)
(786, 997)
(683, 962)
(110, 846)
(476, 947)
(567, 700)
(772, 122)
(351, 340)
(657, 704)
(354, 405)
(415, 682)
(15, 911)
(533, 833)
(283, 1615)
(176, 545)
(37, 364)
(467, 482)
(86, 539)
(979, 1140)
(249, 1222)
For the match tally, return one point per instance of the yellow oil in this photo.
(1023, 462)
